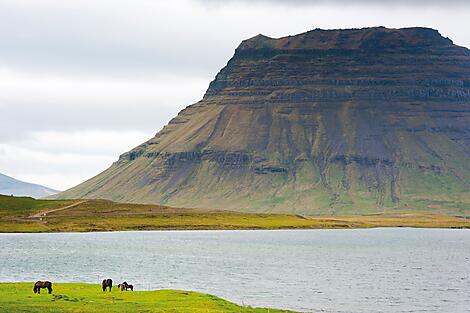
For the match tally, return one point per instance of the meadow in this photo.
(20, 214)
(82, 298)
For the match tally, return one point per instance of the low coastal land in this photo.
(22, 214)
(82, 298)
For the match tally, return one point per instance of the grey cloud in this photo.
(13, 128)
(85, 38)
(116, 58)
(386, 3)
(61, 39)
(143, 43)
(18, 122)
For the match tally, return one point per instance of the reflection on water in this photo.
(373, 270)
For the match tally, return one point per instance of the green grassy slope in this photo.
(29, 215)
(22, 206)
(376, 121)
(83, 298)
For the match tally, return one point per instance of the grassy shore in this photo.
(29, 215)
(73, 297)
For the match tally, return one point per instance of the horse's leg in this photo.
(34, 289)
(50, 289)
(110, 287)
(39, 290)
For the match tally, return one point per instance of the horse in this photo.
(107, 283)
(122, 286)
(125, 286)
(42, 284)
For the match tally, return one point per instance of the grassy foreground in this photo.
(29, 215)
(73, 297)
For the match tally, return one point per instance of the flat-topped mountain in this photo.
(328, 121)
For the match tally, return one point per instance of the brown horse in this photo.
(125, 286)
(107, 283)
(42, 284)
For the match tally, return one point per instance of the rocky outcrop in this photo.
(328, 121)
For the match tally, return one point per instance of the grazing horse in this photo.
(42, 284)
(125, 286)
(107, 283)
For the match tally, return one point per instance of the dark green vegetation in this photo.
(29, 215)
(325, 122)
(81, 298)
(24, 206)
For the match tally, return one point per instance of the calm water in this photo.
(375, 270)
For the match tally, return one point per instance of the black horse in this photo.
(42, 284)
(107, 283)
(125, 286)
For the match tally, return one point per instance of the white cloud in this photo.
(141, 37)
(61, 160)
(97, 143)
(32, 102)
(20, 87)
(386, 3)
(83, 81)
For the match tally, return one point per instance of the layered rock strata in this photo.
(328, 121)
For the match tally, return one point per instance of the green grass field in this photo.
(19, 214)
(74, 297)
(23, 206)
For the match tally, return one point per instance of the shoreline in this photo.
(28, 215)
(85, 297)
(224, 221)
(232, 230)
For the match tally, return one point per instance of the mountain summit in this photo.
(328, 121)
(11, 186)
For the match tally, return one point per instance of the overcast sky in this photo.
(82, 81)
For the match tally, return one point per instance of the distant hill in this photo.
(12, 186)
(325, 122)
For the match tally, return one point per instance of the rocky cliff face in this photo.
(328, 121)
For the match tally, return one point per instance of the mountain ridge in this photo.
(324, 122)
(12, 186)
(353, 38)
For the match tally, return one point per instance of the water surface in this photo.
(361, 270)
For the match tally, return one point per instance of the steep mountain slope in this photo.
(328, 121)
(11, 186)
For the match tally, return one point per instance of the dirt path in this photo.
(44, 213)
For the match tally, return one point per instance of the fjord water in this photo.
(362, 270)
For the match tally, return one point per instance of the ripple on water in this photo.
(369, 271)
